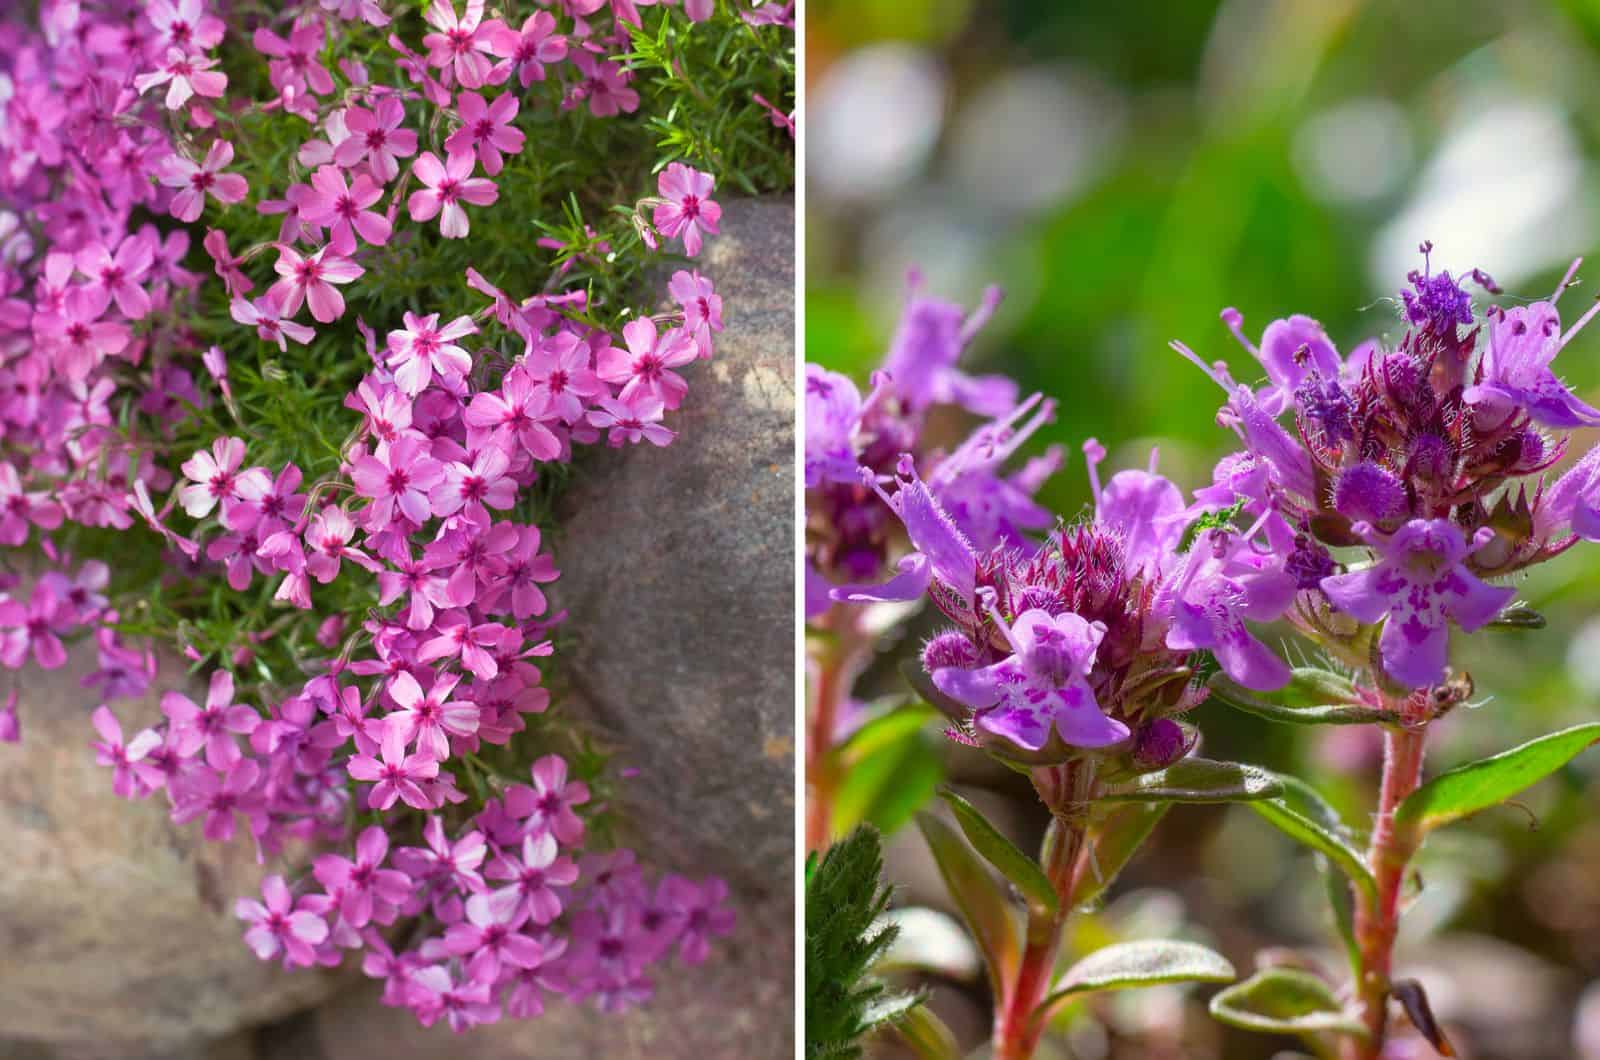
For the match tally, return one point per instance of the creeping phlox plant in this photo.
(253, 299)
(1377, 501)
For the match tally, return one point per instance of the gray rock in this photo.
(117, 937)
(683, 611)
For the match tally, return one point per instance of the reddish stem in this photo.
(1377, 921)
(1065, 789)
(838, 664)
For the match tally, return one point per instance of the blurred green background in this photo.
(1125, 170)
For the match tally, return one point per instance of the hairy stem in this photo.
(1377, 920)
(838, 664)
(1066, 790)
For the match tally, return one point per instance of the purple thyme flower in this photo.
(930, 339)
(1044, 683)
(1419, 583)
(1227, 579)
(1515, 371)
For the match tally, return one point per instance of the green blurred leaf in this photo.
(1148, 962)
(891, 769)
(1115, 835)
(1312, 697)
(1000, 852)
(980, 899)
(1284, 1001)
(1306, 817)
(1464, 790)
(1342, 906)
(927, 1035)
(1198, 780)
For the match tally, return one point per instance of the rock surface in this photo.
(117, 937)
(683, 612)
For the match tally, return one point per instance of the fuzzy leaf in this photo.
(1312, 697)
(1464, 790)
(1000, 852)
(1284, 1001)
(844, 899)
(1133, 964)
(1304, 816)
(1198, 780)
(1115, 835)
(982, 903)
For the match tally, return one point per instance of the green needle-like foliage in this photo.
(844, 899)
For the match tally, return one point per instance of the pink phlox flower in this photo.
(515, 413)
(20, 507)
(213, 727)
(227, 266)
(646, 367)
(486, 129)
(218, 794)
(456, 635)
(424, 590)
(184, 24)
(445, 186)
(702, 307)
(310, 279)
(363, 889)
(488, 938)
(293, 67)
(459, 42)
(560, 365)
(548, 804)
(703, 912)
(434, 995)
(195, 181)
(473, 488)
(185, 74)
(604, 85)
(215, 477)
(397, 775)
(272, 509)
(534, 875)
(131, 776)
(344, 207)
(264, 315)
(118, 276)
(633, 423)
(376, 138)
(386, 409)
(328, 540)
(422, 348)
(398, 477)
(36, 625)
(523, 568)
(526, 51)
(431, 719)
(473, 556)
(279, 924)
(689, 210)
(453, 865)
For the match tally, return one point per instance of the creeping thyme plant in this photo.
(1378, 506)
(305, 310)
